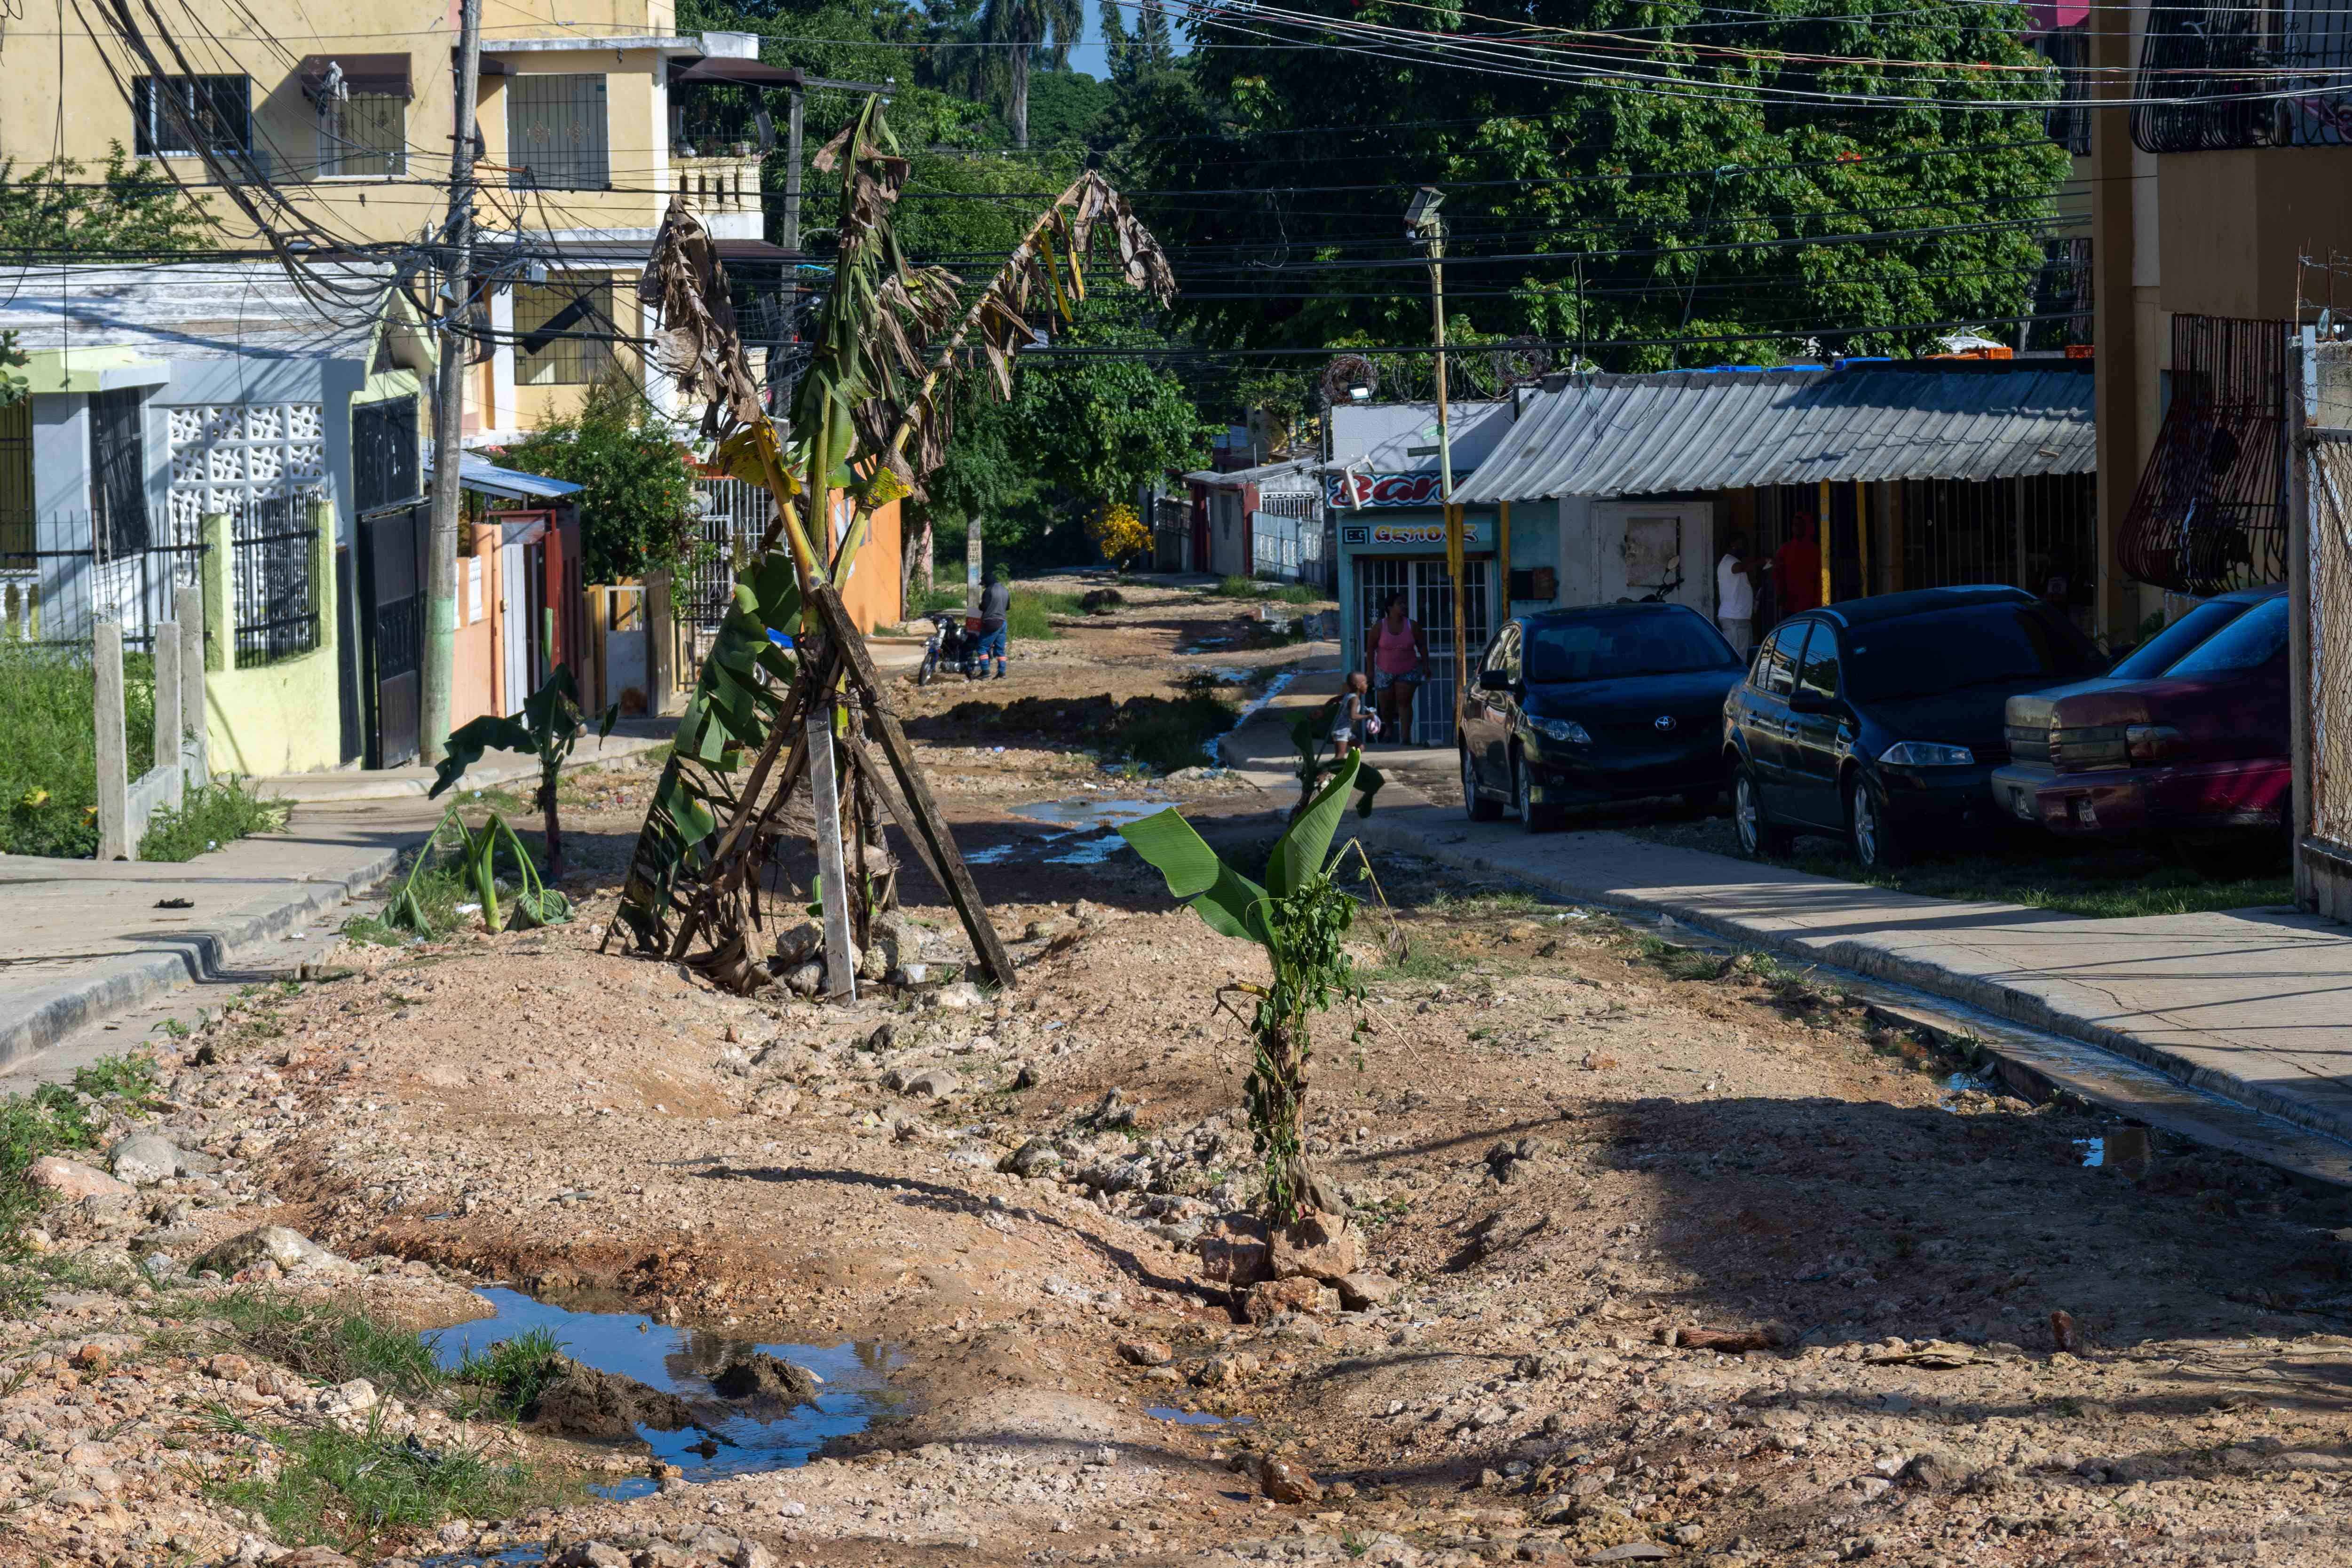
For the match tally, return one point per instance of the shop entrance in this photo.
(1429, 600)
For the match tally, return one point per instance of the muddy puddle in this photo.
(1195, 1417)
(726, 1437)
(1090, 834)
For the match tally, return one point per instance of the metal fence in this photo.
(1287, 540)
(56, 592)
(275, 602)
(2208, 515)
(735, 513)
(2213, 73)
(1172, 533)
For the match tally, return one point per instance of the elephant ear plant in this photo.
(1300, 917)
(549, 726)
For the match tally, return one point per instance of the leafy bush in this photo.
(637, 507)
(1118, 533)
(49, 745)
(210, 816)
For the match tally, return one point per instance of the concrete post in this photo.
(220, 607)
(322, 575)
(188, 612)
(113, 762)
(661, 648)
(168, 744)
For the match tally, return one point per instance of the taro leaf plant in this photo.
(549, 726)
(1311, 733)
(1300, 917)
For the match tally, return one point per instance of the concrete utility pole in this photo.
(1424, 227)
(793, 173)
(449, 399)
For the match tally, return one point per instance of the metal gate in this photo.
(1429, 600)
(392, 631)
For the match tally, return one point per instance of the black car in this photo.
(1579, 707)
(1879, 721)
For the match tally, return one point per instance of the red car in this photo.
(2199, 753)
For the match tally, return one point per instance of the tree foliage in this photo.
(636, 509)
(1595, 201)
(129, 207)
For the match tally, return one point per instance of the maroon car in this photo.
(2199, 753)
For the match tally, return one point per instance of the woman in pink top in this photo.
(1395, 651)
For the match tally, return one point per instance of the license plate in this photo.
(2087, 814)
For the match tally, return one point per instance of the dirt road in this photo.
(1691, 1257)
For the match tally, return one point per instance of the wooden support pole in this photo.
(113, 760)
(833, 886)
(1826, 536)
(1861, 531)
(1503, 557)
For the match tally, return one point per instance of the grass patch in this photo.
(329, 1343)
(1025, 618)
(209, 818)
(2097, 881)
(1421, 961)
(348, 1490)
(49, 745)
(56, 1118)
(511, 1373)
(1258, 588)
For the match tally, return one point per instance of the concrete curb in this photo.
(110, 985)
(2006, 1003)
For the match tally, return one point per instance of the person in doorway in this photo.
(1395, 652)
(1736, 573)
(1796, 568)
(995, 609)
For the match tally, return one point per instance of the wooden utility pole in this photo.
(449, 398)
(1424, 225)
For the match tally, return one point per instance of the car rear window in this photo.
(1614, 647)
(1943, 650)
(2157, 654)
(2250, 641)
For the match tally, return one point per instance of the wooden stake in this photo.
(833, 890)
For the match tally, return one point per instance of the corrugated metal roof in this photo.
(485, 477)
(199, 309)
(1706, 430)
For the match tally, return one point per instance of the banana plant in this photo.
(1301, 916)
(548, 727)
(472, 854)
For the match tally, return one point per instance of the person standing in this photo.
(1797, 569)
(1395, 651)
(1736, 573)
(995, 609)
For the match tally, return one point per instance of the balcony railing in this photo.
(2245, 76)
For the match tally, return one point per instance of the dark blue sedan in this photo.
(1580, 707)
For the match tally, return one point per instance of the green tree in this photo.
(1022, 28)
(1584, 210)
(1146, 46)
(637, 506)
(131, 207)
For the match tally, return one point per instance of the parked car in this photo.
(1605, 703)
(2198, 753)
(2160, 653)
(1879, 721)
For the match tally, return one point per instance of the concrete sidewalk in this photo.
(2254, 1006)
(630, 738)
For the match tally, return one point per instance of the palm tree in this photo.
(1022, 26)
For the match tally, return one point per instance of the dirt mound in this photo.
(604, 1407)
(762, 1376)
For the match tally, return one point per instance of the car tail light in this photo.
(2151, 742)
(2089, 747)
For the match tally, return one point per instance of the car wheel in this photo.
(1533, 815)
(1475, 805)
(1876, 845)
(1760, 838)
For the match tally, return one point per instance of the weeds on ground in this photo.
(1485, 901)
(49, 745)
(510, 1374)
(1025, 619)
(1684, 962)
(56, 1118)
(1259, 588)
(348, 1490)
(332, 1342)
(1166, 736)
(437, 891)
(1419, 961)
(210, 816)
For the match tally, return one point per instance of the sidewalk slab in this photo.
(631, 738)
(2251, 1004)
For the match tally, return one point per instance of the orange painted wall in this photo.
(473, 681)
(873, 594)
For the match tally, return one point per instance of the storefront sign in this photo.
(1411, 535)
(1353, 489)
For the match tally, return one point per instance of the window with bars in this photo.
(556, 137)
(118, 476)
(547, 316)
(364, 133)
(2244, 73)
(2068, 51)
(219, 109)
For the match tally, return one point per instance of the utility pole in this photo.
(1425, 228)
(449, 398)
(792, 172)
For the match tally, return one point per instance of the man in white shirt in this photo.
(1736, 575)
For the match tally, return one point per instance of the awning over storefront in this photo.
(1706, 430)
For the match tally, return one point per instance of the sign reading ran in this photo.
(1353, 489)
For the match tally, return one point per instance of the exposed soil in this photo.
(1586, 1173)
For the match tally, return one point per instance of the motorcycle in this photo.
(953, 645)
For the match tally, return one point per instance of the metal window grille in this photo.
(53, 590)
(2226, 60)
(2209, 514)
(556, 136)
(364, 133)
(735, 514)
(2330, 509)
(219, 108)
(384, 470)
(546, 317)
(118, 483)
(16, 485)
(2068, 51)
(276, 601)
(1429, 600)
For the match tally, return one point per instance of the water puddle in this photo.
(1961, 1083)
(729, 1438)
(2095, 1152)
(995, 855)
(1274, 689)
(1086, 811)
(1196, 1417)
(1203, 644)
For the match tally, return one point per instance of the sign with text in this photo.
(1412, 535)
(1353, 489)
